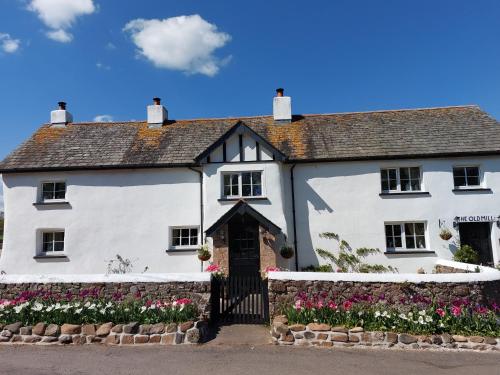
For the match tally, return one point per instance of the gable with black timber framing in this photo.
(240, 144)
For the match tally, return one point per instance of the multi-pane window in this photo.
(53, 190)
(187, 236)
(466, 176)
(401, 179)
(242, 184)
(231, 185)
(409, 236)
(52, 241)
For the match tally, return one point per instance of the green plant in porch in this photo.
(466, 254)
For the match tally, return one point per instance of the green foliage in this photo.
(320, 268)
(466, 254)
(349, 260)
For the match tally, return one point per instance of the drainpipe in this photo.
(294, 221)
(201, 203)
(201, 209)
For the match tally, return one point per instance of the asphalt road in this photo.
(233, 360)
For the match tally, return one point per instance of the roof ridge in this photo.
(393, 110)
(242, 118)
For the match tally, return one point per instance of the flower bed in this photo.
(416, 315)
(31, 307)
(47, 317)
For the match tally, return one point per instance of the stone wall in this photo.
(282, 292)
(317, 334)
(198, 291)
(107, 333)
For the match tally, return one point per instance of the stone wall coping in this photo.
(102, 278)
(387, 277)
(465, 266)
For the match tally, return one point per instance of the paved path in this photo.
(242, 335)
(234, 360)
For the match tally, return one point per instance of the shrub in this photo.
(320, 268)
(349, 260)
(466, 254)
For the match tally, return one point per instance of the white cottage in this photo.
(78, 194)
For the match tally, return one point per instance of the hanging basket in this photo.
(445, 234)
(287, 252)
(204, 253)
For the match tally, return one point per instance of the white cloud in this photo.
(8, 44)
(103, 118)
(110, 46)
(185, 43)
(60, 36)
(60, 15)
(102, 66)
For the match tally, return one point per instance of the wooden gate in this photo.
(240, 299)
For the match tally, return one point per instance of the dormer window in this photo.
(53, 191)
(242, 184)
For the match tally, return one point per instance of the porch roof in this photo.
(242, 208)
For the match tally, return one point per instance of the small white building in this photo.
(78, 194)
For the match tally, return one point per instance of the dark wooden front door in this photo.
(477, 236)
(244, 248)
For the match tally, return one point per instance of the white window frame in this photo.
(240, 184)
(43, 200)
(404, 246)
(184, 247)
(398, 179)
(41, 250)
(467, 186)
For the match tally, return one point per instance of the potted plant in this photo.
(445, 234)
(204, 253)
(287, 252)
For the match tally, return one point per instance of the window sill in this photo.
(50, 257)
(472, 190)
(55, 203)
(406, 193)
(242, 199)
(409, 252)
(182, 249)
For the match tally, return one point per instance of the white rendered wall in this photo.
(344, 198)
(129, 212)
(125, 212)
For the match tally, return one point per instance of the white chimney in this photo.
(282, 107)
(60, 117)
(157, 114)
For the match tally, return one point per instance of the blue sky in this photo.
(110, 57)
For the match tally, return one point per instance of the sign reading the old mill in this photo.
(471, 219)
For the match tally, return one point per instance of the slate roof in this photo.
(434, 132)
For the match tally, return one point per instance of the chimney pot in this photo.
(280, 91)
(157, 101)
(62, 105)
